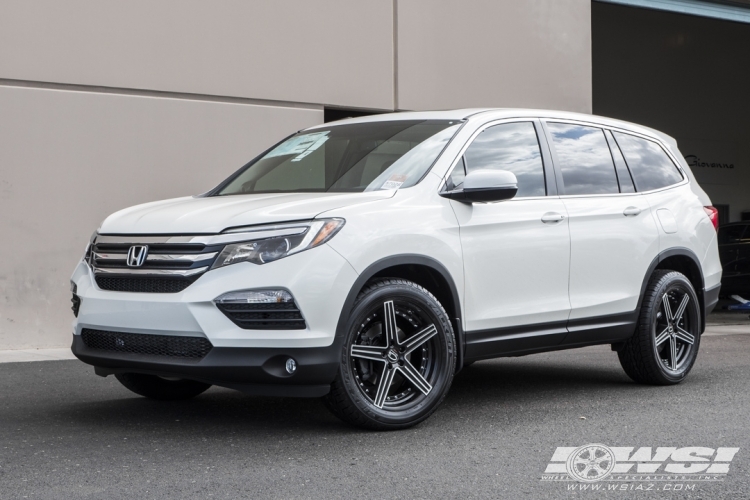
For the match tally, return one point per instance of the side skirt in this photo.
(530, 339)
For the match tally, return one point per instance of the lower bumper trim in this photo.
(256, 371)
(710, 299)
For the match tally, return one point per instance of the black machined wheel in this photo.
(665, 346)
(398, 359)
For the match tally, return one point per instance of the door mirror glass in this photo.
(486, 186)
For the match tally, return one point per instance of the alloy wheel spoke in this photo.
(673, 352)
(371, 352)
(389, 322)
(419, 339)
(384, 385)
(681, 308)
(662, 337)
(667, 307)
(412, 375)
(684, 335)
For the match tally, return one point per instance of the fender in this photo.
(672, 252)
(400, 260)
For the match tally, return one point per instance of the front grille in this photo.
(142, 284)
(274, 316)
(151, 345)
(168, 267)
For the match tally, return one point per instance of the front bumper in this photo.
(319, 279)
(255, 371)
(250, 360)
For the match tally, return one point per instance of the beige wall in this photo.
(108, 104)
(503, 53)
(686, 76)
(323, 51)
(68, 159)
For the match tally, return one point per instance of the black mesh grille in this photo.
(142, 284)
(279, 316)
(151, 345)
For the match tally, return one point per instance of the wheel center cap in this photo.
(392, 356)
(671, 330)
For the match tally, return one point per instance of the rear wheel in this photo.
(665, 345)
(155, 387)
(398, 358)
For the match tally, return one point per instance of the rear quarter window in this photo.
(649, 164)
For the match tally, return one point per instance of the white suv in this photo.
(368, 260)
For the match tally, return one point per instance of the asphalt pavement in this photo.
(66, 433)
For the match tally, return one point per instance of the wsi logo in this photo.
(597, 462)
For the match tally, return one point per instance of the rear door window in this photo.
(623, 175)
(648, 162)
(584, 159)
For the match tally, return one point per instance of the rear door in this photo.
(612, 234)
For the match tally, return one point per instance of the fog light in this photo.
(255, 297)
(291, 366)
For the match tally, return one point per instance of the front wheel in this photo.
(665, 345)
(398, 358)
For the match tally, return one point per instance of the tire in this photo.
(154, 387)
(393, 378)
(663, 351)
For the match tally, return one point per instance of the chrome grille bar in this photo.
(153, 257)
(150, 272)
(179, 259)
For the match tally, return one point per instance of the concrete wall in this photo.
(323, 51)
(502, 53)
(108, 104)
(686, 76)
(68, 159)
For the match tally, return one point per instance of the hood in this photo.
(192, 215)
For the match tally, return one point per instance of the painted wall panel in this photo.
(503, 53)
(327, 51)
(68, 159)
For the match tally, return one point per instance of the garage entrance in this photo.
(688, 76)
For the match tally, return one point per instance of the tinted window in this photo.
(649, 164)
(584, 159)
(510, 146)
(350, 157)
(731, 234)
(623, 175)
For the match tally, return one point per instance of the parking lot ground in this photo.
(66, 433)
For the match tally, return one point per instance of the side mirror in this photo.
(485, 186)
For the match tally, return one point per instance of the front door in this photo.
(516, 252)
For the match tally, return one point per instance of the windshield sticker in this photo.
(301, 145)
(394, 182)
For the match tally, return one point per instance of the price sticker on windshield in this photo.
(394, 182)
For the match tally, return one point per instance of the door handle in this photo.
(631, 211)
(551, 217)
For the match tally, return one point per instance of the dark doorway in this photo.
(687, 76)
(334, 114)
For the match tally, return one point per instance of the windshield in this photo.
(347, 158)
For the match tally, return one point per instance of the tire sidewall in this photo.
(679, 280)
(446, 354)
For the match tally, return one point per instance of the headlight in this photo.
(302, 236)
